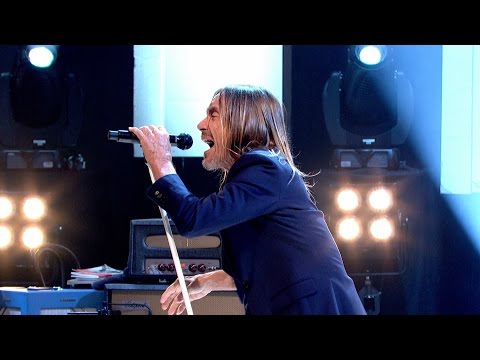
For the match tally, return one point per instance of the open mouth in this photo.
(210, 143)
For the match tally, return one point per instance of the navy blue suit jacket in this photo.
(275, 241)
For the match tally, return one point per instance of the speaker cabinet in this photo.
(134, 299)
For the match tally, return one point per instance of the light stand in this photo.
(370, 297)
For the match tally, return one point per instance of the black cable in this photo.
(38, 253)
(72, 254)
(53, 249)
(34, 253)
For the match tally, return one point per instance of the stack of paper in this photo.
(95, 272)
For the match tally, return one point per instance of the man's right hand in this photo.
(198, 286)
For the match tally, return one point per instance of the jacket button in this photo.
(245, 285)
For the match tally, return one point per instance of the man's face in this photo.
(211, 130)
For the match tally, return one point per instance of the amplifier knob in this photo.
(192, 268)
(162, 267)
(202, 268)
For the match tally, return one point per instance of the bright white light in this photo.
(34, 208)
(5, 236)
(32, 237)
(6, 208)
(381, 229)
(41, 56)
(460, 150)
(380, 199)
(348, 199)
(372, 54)
(349, 228)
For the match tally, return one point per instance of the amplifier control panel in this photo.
(189, 266)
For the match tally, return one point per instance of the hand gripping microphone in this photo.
(182, 141)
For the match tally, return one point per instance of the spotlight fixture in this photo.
(41, 108)
(369, 226)
(23, 219)
(27, 230)
(34, 208)
(368, 109)
(371, 55)
(41, 56)
(33, 237)
(38, 92)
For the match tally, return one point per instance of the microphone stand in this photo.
(173, 250)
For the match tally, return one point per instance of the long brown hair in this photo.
(252, 118)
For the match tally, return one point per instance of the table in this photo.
(50, 301)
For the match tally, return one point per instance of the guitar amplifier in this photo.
(143, 299)
(150, 260)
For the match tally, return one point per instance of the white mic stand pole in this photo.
(173, 250)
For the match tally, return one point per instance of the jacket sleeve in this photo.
(253, 188)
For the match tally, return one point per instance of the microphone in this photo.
(182, 141)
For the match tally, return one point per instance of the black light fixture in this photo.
(368, 108)
(38, 90)
(30, 251)
(368, 222)
(373, 215)
(41, 108)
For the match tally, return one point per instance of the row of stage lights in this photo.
(31, 210)
(376, 220)
(369, 226)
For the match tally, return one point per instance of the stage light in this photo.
(380, 199)
(33, 237)
(42, 56)
(6, 236)
(348, 199)
(28, 226)
(34, 208)
(381, 228)
(41, 109)
(349, 228)
(6, 208)
(370, 233)
(371, 54)
(368, 109)
(37, 93)
(29, 239)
